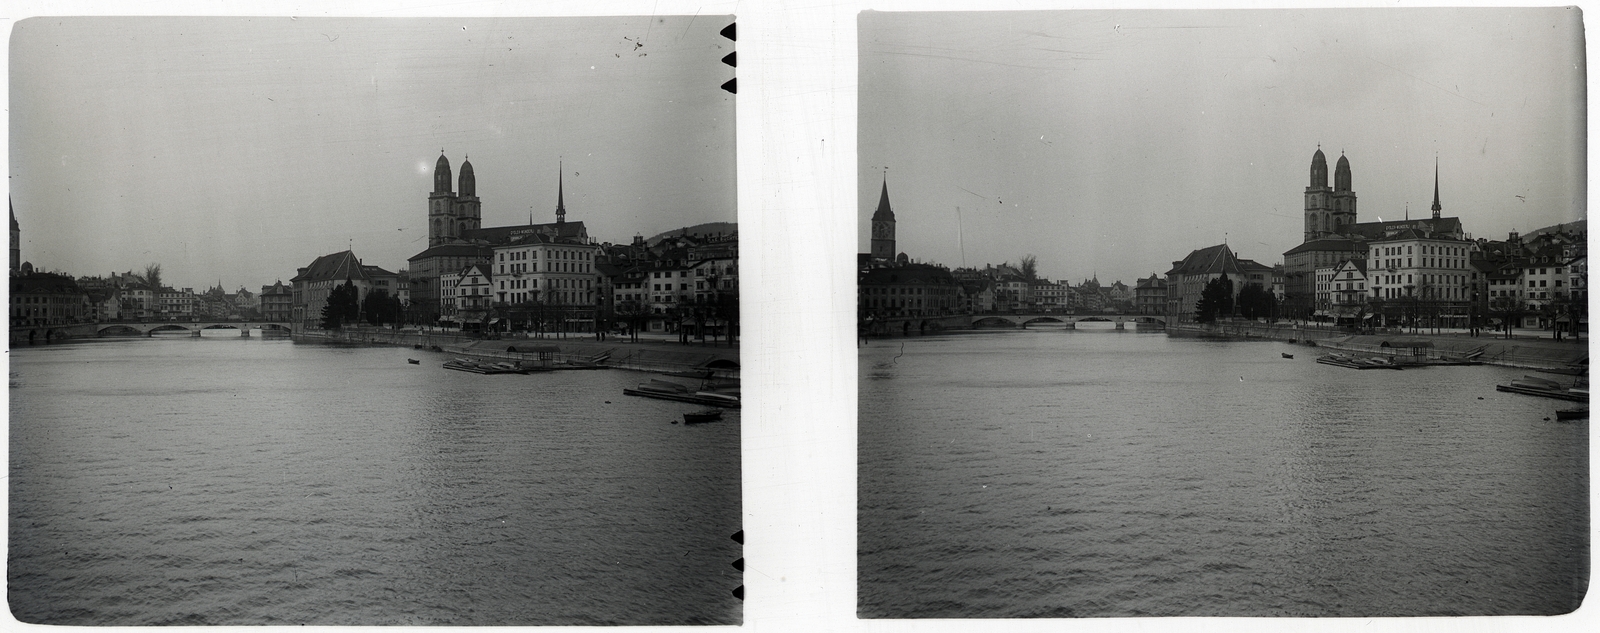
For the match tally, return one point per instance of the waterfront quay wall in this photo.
(722, 362)
(1527, 353)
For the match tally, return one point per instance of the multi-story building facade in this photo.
(474, 292)
(39, 298)
(1415, 276)
(909, 290)
(1150, 295)
(1348, 292)
(173, 304)
(277, 302)
(1048, 295)
(1323, 295)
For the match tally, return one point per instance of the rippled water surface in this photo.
(216, 481)
(1076, 473)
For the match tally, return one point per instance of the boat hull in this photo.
(683, 397)
(697, 417)
(1341, 362)
(1559, 394)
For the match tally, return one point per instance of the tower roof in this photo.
(469, 182)
(1436, 207)
(884, 212)
(1319, 170)
(441, 174)
(561, 195)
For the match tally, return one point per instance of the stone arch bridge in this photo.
(908, 325)
(1071, 321)
(48, 333)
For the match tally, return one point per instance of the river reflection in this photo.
(1074, 473)
(206, 481)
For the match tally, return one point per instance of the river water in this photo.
(248, 481)
(1099, 473)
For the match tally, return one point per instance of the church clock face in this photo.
(880, 230)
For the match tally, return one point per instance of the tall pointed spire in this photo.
(1436, 207)
(561, 195)
(883, 226)
(884, 212)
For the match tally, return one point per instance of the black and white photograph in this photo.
(1222, 313)
(374, 321)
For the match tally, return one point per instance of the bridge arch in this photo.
(167, 327)
(994, 320)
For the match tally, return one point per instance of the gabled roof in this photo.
(481, 270)
(1377, 230)
(336, 267)
(454, 250)
(1359, 264)
(1207, 261)
(1252, 266)
(1338, 244)
(504, 234)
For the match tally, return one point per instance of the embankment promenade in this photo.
(652, 354)
(1491, 348)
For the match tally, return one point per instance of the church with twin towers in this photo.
(1334, 236)
(457, 238)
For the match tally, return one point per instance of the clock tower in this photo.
(883, 227)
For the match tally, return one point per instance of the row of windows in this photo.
(901, 290)
(560, 253)
(548, 283)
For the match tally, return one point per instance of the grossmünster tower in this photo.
(452, 213)
(1329, 211)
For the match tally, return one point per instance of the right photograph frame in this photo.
(1222, 313)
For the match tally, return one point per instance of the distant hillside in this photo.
(1580, 226)
(709, 228)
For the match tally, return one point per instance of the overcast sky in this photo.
(1114, 143)
(240, 149)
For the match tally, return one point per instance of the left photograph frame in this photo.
(374, 321)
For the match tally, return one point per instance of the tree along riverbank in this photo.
(620, 353)
(1532, 353)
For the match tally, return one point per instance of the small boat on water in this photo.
(1580, 413)
(1535, 386)
(1353, 362)
(466, 365)
(1288, 355)
(703, 415)
(665, 390)
(413, 361)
